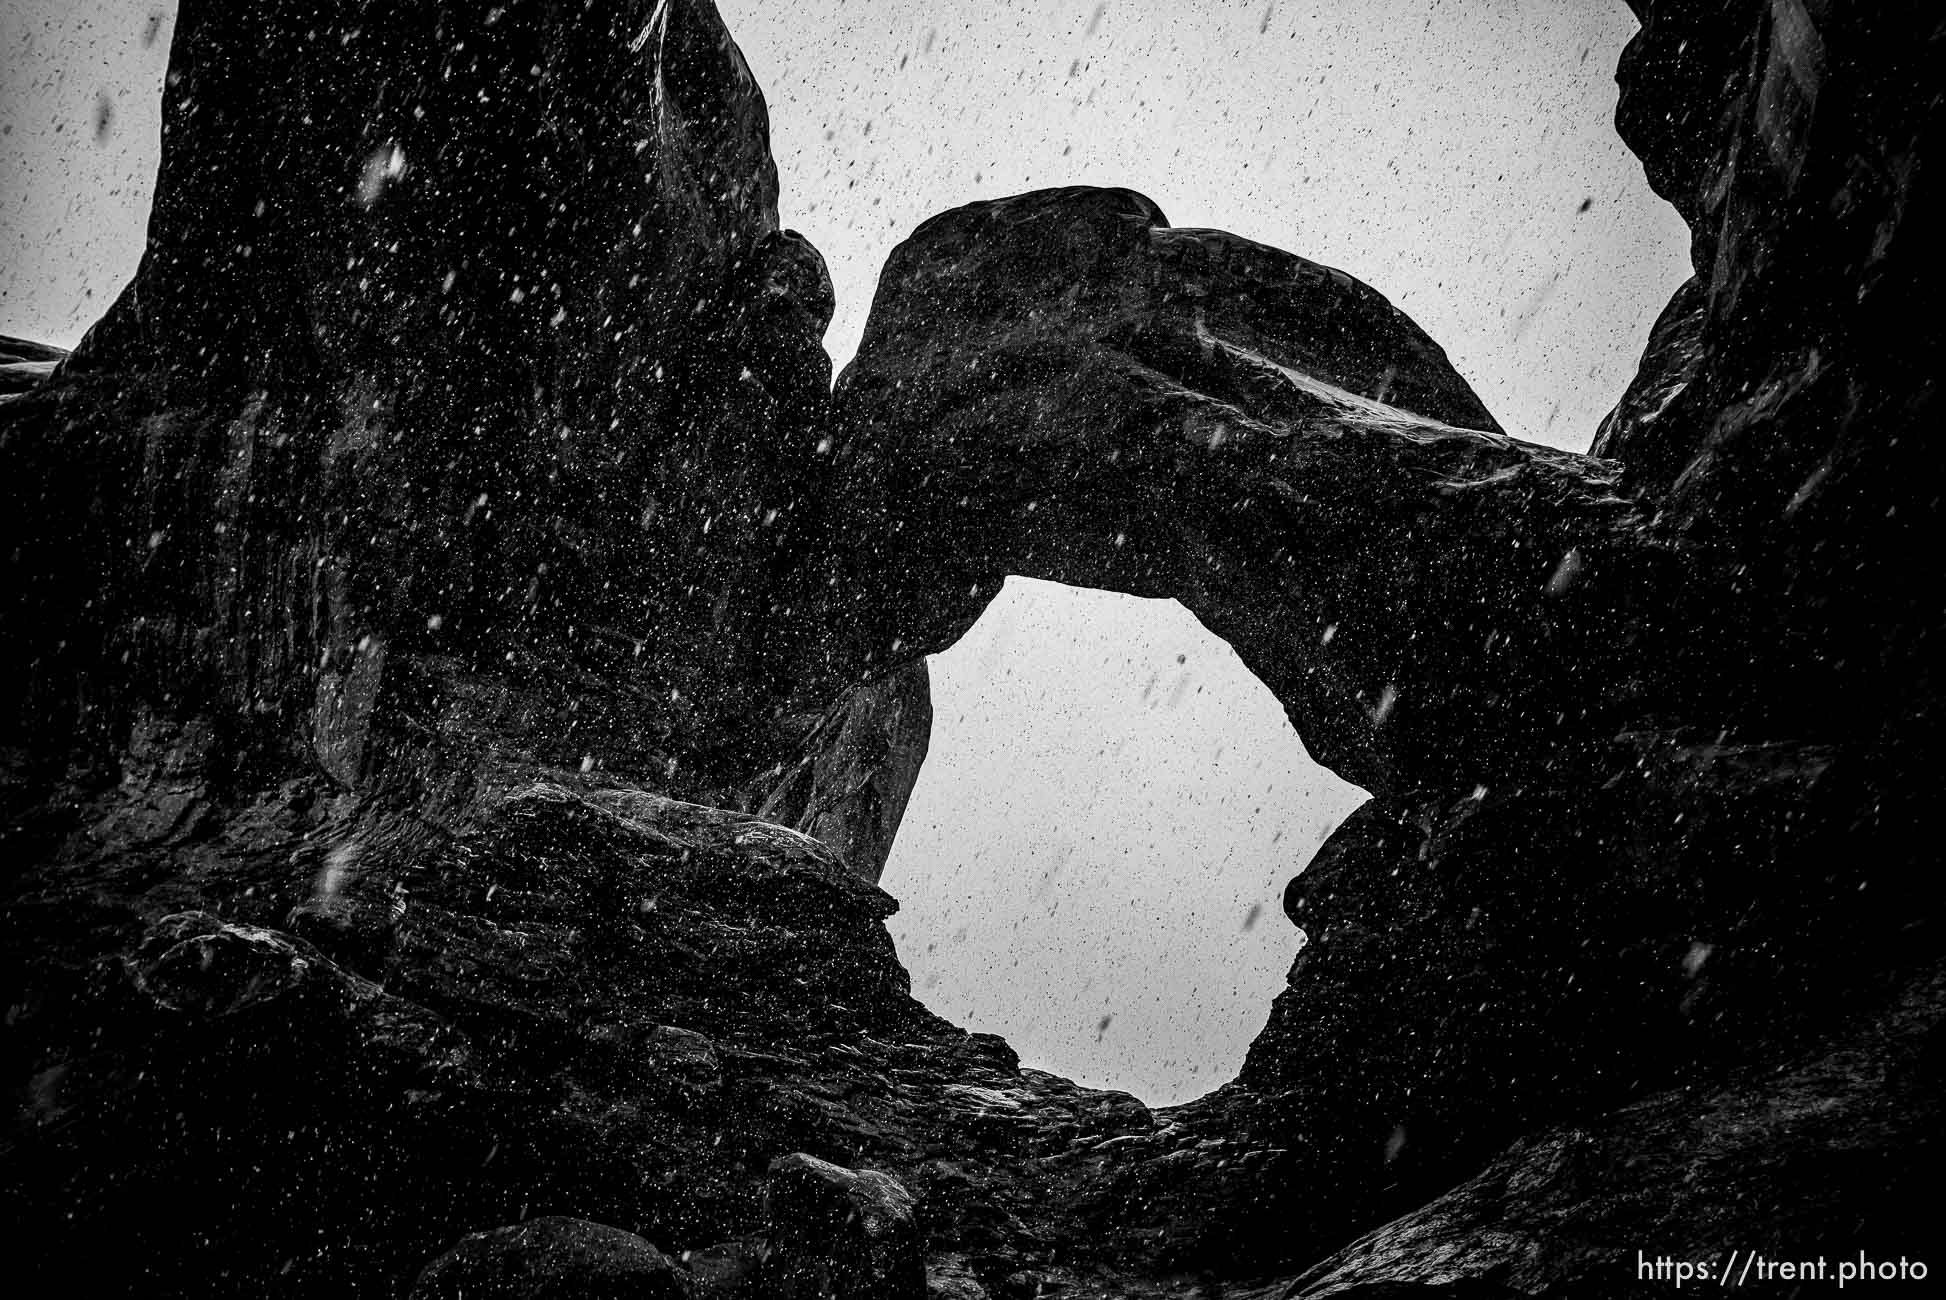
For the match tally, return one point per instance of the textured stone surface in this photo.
(459, 406)
(1670, 364)
(376, 643)
(861, 760)
(25, 365)
(1828, 1144)
(552, 1258)
(1791, 136)
(1057, 385)
(596, 1003)
(848, 1233)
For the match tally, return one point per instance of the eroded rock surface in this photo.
(458, 411)
(1061, 386)
(552, 1258)
(595, 1003)
(1795, 435)
(453, 510)
(25, 365)
(842, 1232)
(861, 759)
(1590, 1210)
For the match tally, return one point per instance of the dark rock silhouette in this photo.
(465, 670)
(552, 1258)
(842, 1232)
(1061, 386)
(1545, 1216)
(24, 364)
(466, 372)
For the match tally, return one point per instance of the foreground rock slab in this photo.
(552, 1258)
(1551, 1216)
(844, 1233)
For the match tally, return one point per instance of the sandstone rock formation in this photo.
(1547, 1215)
(437, 577)
(1062, 386)
(842, 1232)
(552, 1258)
(457, 412)
(25, 365)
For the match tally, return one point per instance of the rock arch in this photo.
(1062, 386)
(1638, 748)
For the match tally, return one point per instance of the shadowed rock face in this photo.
(1547, 1216)
(453, 508)
(1059, 385)
(861, 759)
(460, 404)
(552, 1258)
(1794, 393)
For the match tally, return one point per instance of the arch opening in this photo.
(1093, 860)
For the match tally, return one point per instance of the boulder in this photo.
(552, 1258)
(848, 1234)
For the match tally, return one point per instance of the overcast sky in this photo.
(1101, 831)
